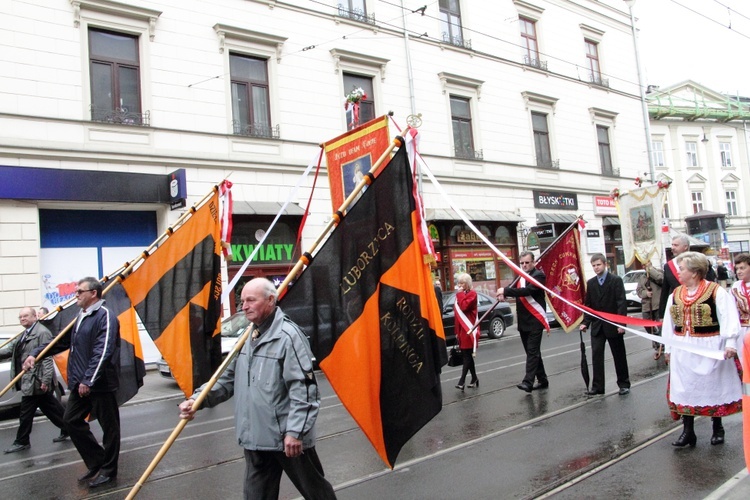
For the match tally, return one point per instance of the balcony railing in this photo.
(467, 153)
(551, 164)
(596, 79)
(457, 41)
(535, 63)
(256, 130)
(356, 15)
(120, 116)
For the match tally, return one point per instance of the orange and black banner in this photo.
(368, 305)
(176, 292)
(132, 366)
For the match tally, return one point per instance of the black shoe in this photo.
(62, 437)
(624, 391)
(594, 393)
(525, 387)
(101, 480)
(717, 437)
(686, 438)
(474, 385)
(541, 385)
(17, 447)
(459, 386)
(89, 474)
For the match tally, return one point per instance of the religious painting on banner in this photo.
(561, 264)
(640, 213)
(351, 155)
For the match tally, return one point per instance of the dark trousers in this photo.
(104, 406)
(617, 346)
(49, 405)
(532, 343)
(263, 475)
(468, 358)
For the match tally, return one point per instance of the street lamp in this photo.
(642, 89)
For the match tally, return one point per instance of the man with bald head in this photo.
(36, 385)
(277, 400)
(680, 244)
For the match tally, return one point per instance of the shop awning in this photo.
(611, 221)
(542, 218)
(478, 215)
(265, 208)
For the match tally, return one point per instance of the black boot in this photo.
(718, 436)
(688, 435)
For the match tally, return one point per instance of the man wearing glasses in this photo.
(532, 319)
(94, 344)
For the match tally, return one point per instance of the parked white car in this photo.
(630, 280)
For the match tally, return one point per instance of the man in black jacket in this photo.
(605, 292)
(671, 281)
(93, 369)
(531, 311)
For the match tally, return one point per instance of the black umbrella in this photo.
(584, 362)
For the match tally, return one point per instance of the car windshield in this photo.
(632, 277)
(234, 325)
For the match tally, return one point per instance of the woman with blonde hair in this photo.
(466, 317)
(701, 313)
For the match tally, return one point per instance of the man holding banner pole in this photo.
(532, 320)
(277, 400)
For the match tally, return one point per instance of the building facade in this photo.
(700, 143)
(529, 109)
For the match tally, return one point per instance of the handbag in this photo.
(454, 357)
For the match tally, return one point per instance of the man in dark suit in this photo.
(606, 293)
(531, 311)
(671, 281)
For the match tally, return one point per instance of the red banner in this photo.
(351, 155)
(562, 266)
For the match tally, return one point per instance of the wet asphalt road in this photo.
(494, 442)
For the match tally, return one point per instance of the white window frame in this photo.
(120, 18)
(244, 42)
(725, 153)
(696, 200)
(691, 154)
(658, 153)
(730, 196)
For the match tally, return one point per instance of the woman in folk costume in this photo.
(741, 293)
(703, 314)
(466, 317)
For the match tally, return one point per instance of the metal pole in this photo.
(642, 89)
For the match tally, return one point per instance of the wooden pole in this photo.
(238, 346)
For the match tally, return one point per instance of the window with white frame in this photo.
(691, 150)
(542, 109)
(731, 199)
(697, 200)
(463, 94)
(725, 149)
(463, 136)
(529, 43)
(657, 153)
(605, 150)
(359, 71)
(604, 122)
(366, 110)
(542, 149)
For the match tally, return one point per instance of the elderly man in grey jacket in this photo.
(37, 385)
(276, 400)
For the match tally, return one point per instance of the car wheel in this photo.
(497, 328)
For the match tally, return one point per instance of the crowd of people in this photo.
(696, 311)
